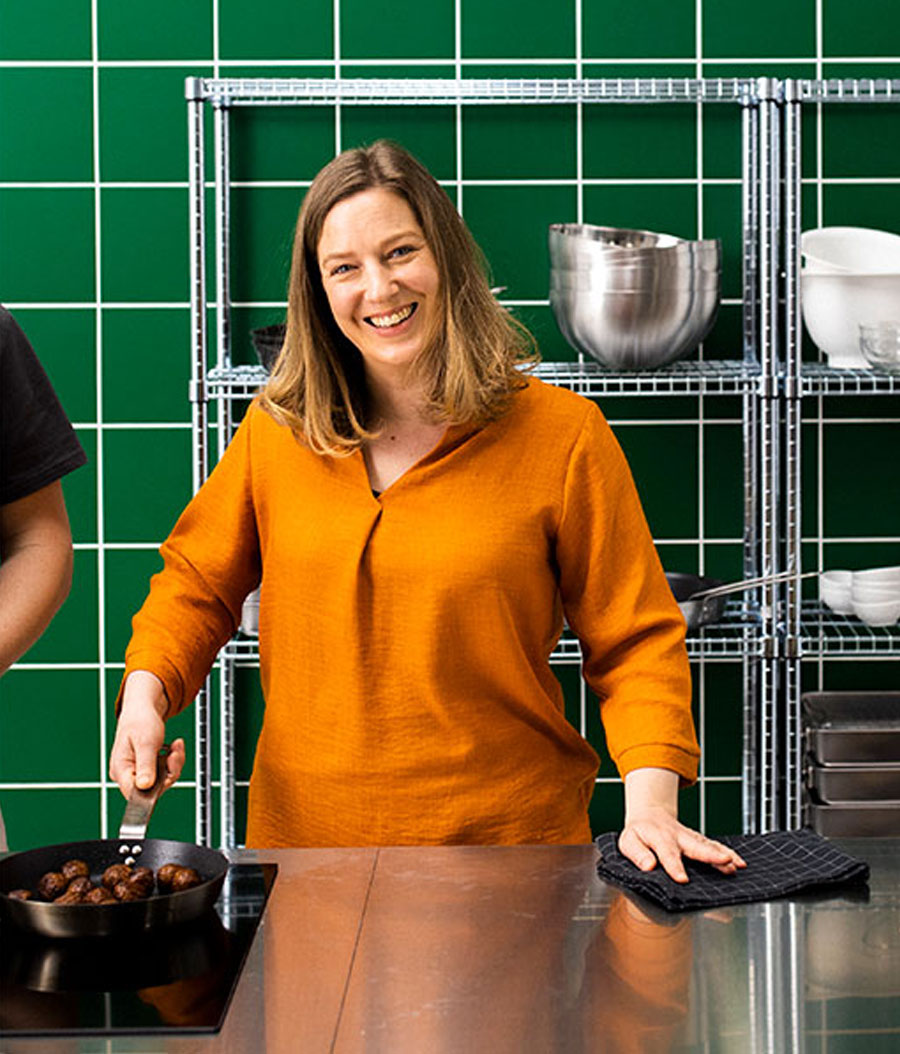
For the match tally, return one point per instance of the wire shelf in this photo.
(825, 633)
(713, 377)
(862, 89)
(820, 379)
(290, 91)
(732, 638)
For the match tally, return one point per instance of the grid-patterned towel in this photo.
(779, 863)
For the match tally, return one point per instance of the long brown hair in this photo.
(470, 369)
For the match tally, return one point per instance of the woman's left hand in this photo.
(653, 834)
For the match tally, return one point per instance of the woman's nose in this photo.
(379, 282)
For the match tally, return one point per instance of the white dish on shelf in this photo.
(834, 591)
(851, 250)
(877, 612)
(834, 306)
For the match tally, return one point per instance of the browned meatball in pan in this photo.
(52, 885)
(164, 876)
(81, 885)
(71, 896)
(124, 891)
(142, 878)
(99, 895)
(20, 894)
(185, 878)
(75, 869)
(114, 874)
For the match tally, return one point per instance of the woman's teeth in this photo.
(384, 321)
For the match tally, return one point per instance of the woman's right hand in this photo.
(140, 734)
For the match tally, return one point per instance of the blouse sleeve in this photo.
(618, 603)
(211, 560)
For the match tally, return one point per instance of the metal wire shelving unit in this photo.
(748, 633)
(809, 630)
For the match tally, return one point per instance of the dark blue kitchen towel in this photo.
(778, 864)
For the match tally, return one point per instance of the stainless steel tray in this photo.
(854, 783)
(848, 727)
(855, 819)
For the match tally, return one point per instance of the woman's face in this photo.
(381, 280)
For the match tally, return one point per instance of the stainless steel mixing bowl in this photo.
(579, 245)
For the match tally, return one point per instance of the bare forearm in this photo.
(650, 788)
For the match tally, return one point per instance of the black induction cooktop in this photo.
(178, 981)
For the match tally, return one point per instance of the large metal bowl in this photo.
(579, 245)
(636, 329)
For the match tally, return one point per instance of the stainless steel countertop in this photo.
(517, 950)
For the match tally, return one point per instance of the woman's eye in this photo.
(402, 250)
(340, 269)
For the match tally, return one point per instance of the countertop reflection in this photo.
(454, 950)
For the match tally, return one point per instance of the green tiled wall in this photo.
(94, 262)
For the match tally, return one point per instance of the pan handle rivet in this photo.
(124, 850)
(136, 850)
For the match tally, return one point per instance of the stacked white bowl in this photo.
(850, 276)
(873, 595)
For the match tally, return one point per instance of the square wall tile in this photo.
(46, 29)
(262, 225)
(517, 29)
(765, 29)
(723, 481)
(393, 29)
(860, 27)
(280, 142)
(651, 29)
(72, 635)
(722, 219)
(127, 576)
(525, 142)
(542, 324)
(607, 808)
(664, 460)
(276, 29)
(170, 29)
(671, 208)
(50, 726)
(146, 365)
(173, 815)
(510, 224)
(726, 339)
(64, 342)
(644, 142)
(860, 205)
(40, 107)
(860, 141)
(35, 818)
(147, 482)
(249, 711)
(143, 123)
(48, 245)
(427, 132)
(145, 245)
(724, 810)
(80, 490)
(723, 728)
(860, 461)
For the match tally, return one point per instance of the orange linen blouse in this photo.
(404, 640)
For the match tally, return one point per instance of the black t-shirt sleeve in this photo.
(37, 443)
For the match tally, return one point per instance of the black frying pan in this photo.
(24, 870)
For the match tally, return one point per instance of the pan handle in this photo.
(737, 587)
(141, 803)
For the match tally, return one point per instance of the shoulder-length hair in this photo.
(470, 368)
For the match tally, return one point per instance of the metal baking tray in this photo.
(854, 783)
(848, 727)
(855, 819)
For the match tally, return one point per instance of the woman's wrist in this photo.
(144, 688)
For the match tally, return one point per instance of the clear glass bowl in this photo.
(880, 344)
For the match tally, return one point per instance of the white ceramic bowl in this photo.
(878, 576)
(834, 591)
(834, 305)
(857, 250)
(877, 612)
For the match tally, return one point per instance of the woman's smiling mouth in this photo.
(393, 319)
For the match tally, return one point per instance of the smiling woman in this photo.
(423, 515)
